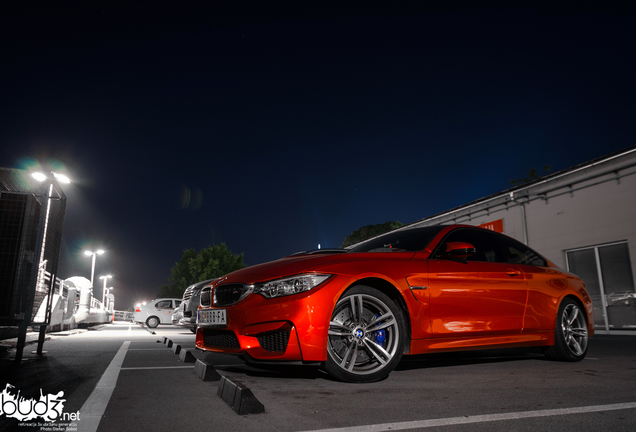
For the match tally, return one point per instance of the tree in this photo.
(532, 176)
(369, 231)
(209, 263)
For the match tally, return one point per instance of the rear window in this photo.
(408, 240)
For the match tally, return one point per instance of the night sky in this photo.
(185, 124)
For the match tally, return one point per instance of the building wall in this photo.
(598, 214)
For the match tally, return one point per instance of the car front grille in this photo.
(220, 339)
(187, 294)
(275, 341)
(187, 314)
(226, 295)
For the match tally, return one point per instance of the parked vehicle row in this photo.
(357, 311)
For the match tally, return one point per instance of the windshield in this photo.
(408, 240)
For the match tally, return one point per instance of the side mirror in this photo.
(457, 250)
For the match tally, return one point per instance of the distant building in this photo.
(583, 219)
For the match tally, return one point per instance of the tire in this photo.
(570, 338)
(152, 322)
(357, 351)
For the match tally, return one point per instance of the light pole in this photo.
(94, 254)
(106, 277)
(41, 177)
(108, 298)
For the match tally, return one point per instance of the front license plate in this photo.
(215, 316)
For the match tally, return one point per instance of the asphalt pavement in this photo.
(121, 377)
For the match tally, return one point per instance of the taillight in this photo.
(137, 310)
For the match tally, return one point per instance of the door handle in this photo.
(512, 272)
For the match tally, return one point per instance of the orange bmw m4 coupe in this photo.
(357, 311)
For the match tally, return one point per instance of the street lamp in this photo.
(106, 277)
(94, 254)
(41, 177)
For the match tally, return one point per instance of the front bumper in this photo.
(187, 322)
(291, 328)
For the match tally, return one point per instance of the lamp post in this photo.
(40, 177)
(94, 254)
(105, 278)
(108, 298)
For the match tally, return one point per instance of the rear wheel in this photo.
(570, 339)
(366, 336)
(152, 322)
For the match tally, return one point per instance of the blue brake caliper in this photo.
(380, 335)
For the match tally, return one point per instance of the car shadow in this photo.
(235, 365)
(276, 371)
(438, 360)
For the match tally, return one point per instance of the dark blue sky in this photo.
(291, 128)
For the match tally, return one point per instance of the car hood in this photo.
(297, 264)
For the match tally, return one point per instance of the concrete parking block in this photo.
(176, 349)
(186, 356)
(163, 340)
(205, 371)
(169, 344)
(239, 397)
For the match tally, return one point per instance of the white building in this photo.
(583, 219)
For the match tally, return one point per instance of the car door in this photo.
(544, 285)
(478, 296)
(164, 311)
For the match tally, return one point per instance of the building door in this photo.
(607, 273)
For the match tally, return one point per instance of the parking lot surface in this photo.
(121, 377)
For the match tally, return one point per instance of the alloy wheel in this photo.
(364, 334)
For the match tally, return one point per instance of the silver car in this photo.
(155, 312)
(186, 314)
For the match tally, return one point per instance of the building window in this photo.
(607, 273)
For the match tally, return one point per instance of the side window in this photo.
(177, 303)
(164, 304)
(485, 242)
(518, 253)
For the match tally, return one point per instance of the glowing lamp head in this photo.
(38, 176)
(62, 178)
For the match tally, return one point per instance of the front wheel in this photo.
(366, 336)
(570, 339)
(152, 322)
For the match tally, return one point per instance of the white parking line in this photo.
(480, 418)
(147, 349)
(158, 367)
(94, 407)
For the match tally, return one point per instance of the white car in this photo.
(155, 312)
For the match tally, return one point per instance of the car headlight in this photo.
(290, 285)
